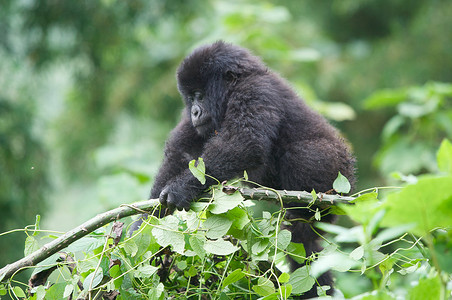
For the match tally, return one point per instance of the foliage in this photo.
(219, 250)
(409, 138)
(121, 58)
(23, 174)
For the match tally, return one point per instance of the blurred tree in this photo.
(412, 54)
(23, 179)
(348, 20)
(24, 160)
(123, 55)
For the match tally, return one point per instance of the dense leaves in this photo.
(233, 254)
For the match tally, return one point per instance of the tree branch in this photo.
(323, 200)
(75, 234)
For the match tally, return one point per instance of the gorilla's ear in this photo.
(231, 76)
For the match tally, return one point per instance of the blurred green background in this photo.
(88, 91)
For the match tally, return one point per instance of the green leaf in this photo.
(426, 204)
(40, 292)
(192, 272)
(341, 184)
(234, 276)
(224, 202)
(95, 278)
(46, 263)
(130, 247)
(357, 254)
(274, 296)
(440, 88)
(297, 252)
(372, 196)
(220, 247)
(197, 244)
(317, 214)
(18, 292)
(444, 157)
(239, 217)
(31, 245)
(68, 290)
(168, 234)
(142, 242)
(262, 256)
(301, 281)
(85, 244)
(417, 110)
(443, 253)
(182, 265)
(145, 241)
(145, 271)
(379, 295)
(285, 291)
(156, 292)
(264, 287)
(283, 278)
(37, 221)
(115, 272)
(199, 171)
(334, 260)
(284, 237)
(3, 290)
(366, 206)
(198, 206)
(336, 111)
(391, 233)
(314, 195)
(216, 226)
(385, 98)
(260, 245)
(428, 288)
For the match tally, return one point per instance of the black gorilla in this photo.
(241, 116)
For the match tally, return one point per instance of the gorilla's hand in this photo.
(177, 196)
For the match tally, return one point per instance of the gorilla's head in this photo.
(206, 77)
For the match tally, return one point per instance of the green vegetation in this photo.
(399, 242)
(88, 95)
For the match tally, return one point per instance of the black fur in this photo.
(248, 118)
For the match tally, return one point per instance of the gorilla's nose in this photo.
(196, 112)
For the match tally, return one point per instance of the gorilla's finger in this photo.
(171, 201)
(187, 206)
(163, 198)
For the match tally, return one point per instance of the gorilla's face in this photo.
(204, 98)
(199, 113)
(207, 76)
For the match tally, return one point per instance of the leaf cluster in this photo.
(216, 250)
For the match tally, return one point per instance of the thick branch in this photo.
(75, 234)
(323, 200)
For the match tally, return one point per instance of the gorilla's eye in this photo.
(198, 96)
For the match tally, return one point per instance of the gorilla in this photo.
(238, 116)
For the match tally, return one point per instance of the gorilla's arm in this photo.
(182, 146)
(243, 143)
